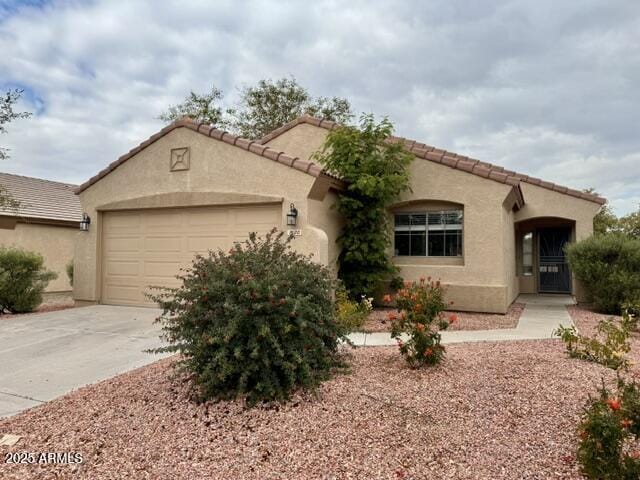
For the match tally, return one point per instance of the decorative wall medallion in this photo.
(180, 159)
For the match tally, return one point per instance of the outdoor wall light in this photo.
(85, 222)
(292, 216)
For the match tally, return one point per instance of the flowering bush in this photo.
(420, 317)
(610, 434)
(350, 314)
(611, 343)
(256, 322)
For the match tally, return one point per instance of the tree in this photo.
(376, 172)
(271, 104)
(630, 224)
(262, 108)
(605, 220)
(202, 108)
(7, 115)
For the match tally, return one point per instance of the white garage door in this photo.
(148, 247)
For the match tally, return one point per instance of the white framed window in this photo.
(428, 234)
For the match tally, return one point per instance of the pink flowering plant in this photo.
(420, 318)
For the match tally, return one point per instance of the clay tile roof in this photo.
(41, 199)
(451, 159)
(208, 131)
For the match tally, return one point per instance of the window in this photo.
(527, 254)
(430, 234)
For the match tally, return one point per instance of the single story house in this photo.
(486, 232)
(45, 221)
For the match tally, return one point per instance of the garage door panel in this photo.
(208, 218)
(162, 222)
(125, 294)
(122, 244)
(129, 268)
(128, 221)
(148, 248)
(162, 243)
(203, 243)
(161, 269)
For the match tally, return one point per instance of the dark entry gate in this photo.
(553, 274)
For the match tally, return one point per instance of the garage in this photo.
(191, 188)
(141, 248)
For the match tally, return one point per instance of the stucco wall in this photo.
(487, 279)
(214, 167)
(54, 243)
(484, 279)
(325, 217)
(478, 283)
(301, 141)
(509, 242)
(543, 203)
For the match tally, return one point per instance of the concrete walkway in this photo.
(541, 316)
(45, 355)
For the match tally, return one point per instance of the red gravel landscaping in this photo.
(491, 411)
(379, 322)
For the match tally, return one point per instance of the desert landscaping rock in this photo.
(504, 410)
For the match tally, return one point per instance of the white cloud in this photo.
(551, 95)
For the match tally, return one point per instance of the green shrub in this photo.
(421, 315)
(69, 269)
(23, 278)
(350, 314)
(609, 268)
(256, 322)
(631, 315)
(609, 434)
(607, 348)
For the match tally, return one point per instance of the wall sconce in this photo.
(292, 216)
(85, 222)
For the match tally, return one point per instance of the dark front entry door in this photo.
(553, 270)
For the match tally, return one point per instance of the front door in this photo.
(553, 271)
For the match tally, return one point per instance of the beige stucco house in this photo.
(45, 221)
(486, 232)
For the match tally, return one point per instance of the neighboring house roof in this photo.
(450, 159)
(256, 147)
(41, 199)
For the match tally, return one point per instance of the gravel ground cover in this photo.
(50, 303)
(45, 307)
(504, 410)
(378, 320)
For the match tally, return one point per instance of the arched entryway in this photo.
(541, 261)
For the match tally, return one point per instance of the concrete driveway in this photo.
(45, 355)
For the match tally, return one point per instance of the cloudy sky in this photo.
(547, 88)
